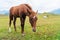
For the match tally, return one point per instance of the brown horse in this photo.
(22, 11)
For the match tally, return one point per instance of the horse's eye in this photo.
(36, 19)
(31, 18)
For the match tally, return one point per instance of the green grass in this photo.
(47, 29)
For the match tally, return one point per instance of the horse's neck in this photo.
(31, 15)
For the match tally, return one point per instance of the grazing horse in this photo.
(21, 11)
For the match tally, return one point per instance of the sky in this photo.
(40, 5)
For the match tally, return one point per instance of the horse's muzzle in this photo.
(34, 30)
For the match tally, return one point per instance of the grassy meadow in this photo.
(47, 29)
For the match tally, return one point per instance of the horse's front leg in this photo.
(14, 23)
(22, 24)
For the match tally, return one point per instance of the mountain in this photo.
(56, 11)
(6, 12)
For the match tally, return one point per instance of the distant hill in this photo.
(56, 11)
(6, 12)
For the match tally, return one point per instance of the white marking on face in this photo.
(34, 16)
(9, 29)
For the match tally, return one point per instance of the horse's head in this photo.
(33, 20)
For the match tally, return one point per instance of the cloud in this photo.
(40, 5)
(49, 5)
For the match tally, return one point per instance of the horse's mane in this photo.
(28, 6)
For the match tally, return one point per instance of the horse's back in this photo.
(13, 10)
(20, 9)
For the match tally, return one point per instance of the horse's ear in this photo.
(36, 11)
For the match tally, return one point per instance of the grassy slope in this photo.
(47, 29)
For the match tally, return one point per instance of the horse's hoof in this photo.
(9, 30)
(23, 34)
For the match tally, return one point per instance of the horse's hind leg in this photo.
(11, 18)
(14, 23)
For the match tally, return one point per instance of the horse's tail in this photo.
(10, 15)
